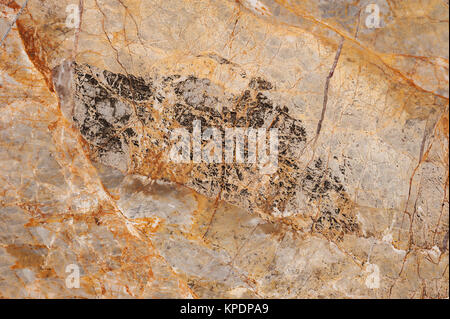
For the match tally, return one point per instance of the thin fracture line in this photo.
(14, 21)
(327, 84)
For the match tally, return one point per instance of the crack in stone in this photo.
(327, 84)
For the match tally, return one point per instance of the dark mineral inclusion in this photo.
(127, 121)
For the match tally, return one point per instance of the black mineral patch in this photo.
(323, 187)
(115, 112)
(129, 87)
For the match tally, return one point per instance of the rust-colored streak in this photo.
(10, 3)
(33, 48)
(27, 256)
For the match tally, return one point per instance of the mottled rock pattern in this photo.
(358, 210)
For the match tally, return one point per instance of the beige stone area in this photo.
(357, 207)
